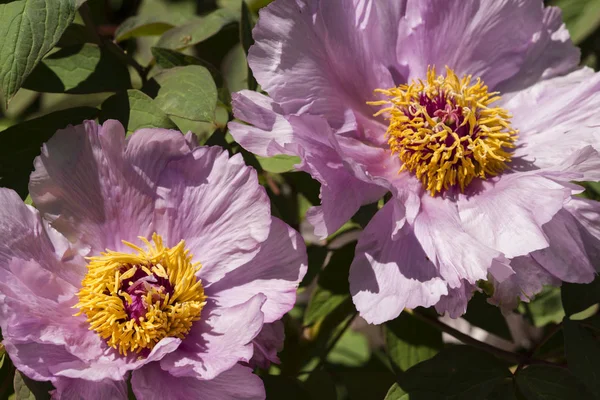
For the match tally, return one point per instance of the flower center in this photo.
(134, 300)
(445, 130)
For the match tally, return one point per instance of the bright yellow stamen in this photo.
(103, 297)
(443, 151)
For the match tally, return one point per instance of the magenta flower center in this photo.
(140, 287)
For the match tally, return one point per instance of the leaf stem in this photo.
(538, 346)
(520, 359)
(545, 339)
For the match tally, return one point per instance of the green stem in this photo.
(466, 339)
(545, 339)
(529, 357)
(520, 359)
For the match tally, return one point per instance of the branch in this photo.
(521, 359)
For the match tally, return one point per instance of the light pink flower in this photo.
(94, 189)
(519, 225)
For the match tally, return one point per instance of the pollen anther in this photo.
(446, 130)
(135, 300)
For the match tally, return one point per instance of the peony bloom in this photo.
(150, 258)
(475, 117)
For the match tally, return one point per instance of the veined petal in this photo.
(507, 213)
(237, 383)
(97, 188)
(479, 38)
(267, 344)
(330, 43)
(390, 270)
(275, 272)
(216, 205)
(69, 389)
(222, 338)
(556, 118)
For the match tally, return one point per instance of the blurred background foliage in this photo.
(174, 64)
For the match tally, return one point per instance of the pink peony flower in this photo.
(475, 117)
(150, 258)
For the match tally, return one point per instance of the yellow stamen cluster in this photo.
(443, 152)
(168, 313)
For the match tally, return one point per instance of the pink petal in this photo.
(556, 118)
(507, 213)
(529, 279)
(475, 38)
(269, 133)
(267, 344)
(99, 190)
(330, 44)
(390, 270)
(69, 389)
(459, 253)
(216, 205)
(275, 271)
(237, 383)
(573, 254)
(39, 276)
(550, 53)
(222, 338)
(454, 304)
(587, 212)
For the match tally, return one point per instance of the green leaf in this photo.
(253, 5)
(135, 110)
(204, 131)
(235, 69)
(316, 259)
(320, 385)
(279, 387)
(541, 382)
(582, 347)
(187, 92)
(333, 289)
(197, 30)
(247, 41)
(167, 58)
(410, 341)
(363, 383)
(75, 34)
(582, 17)
(21, 143)
(28, 389)
(322, 302)
(504, 391)
(173, 12)
(141, 25)
(458, 372)
(29, 29)
(352, 350)
(482, 314)
(7, 372)
(79, 69)
(546, 307)
(578, 297)
(396, 393)
(278, 164)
